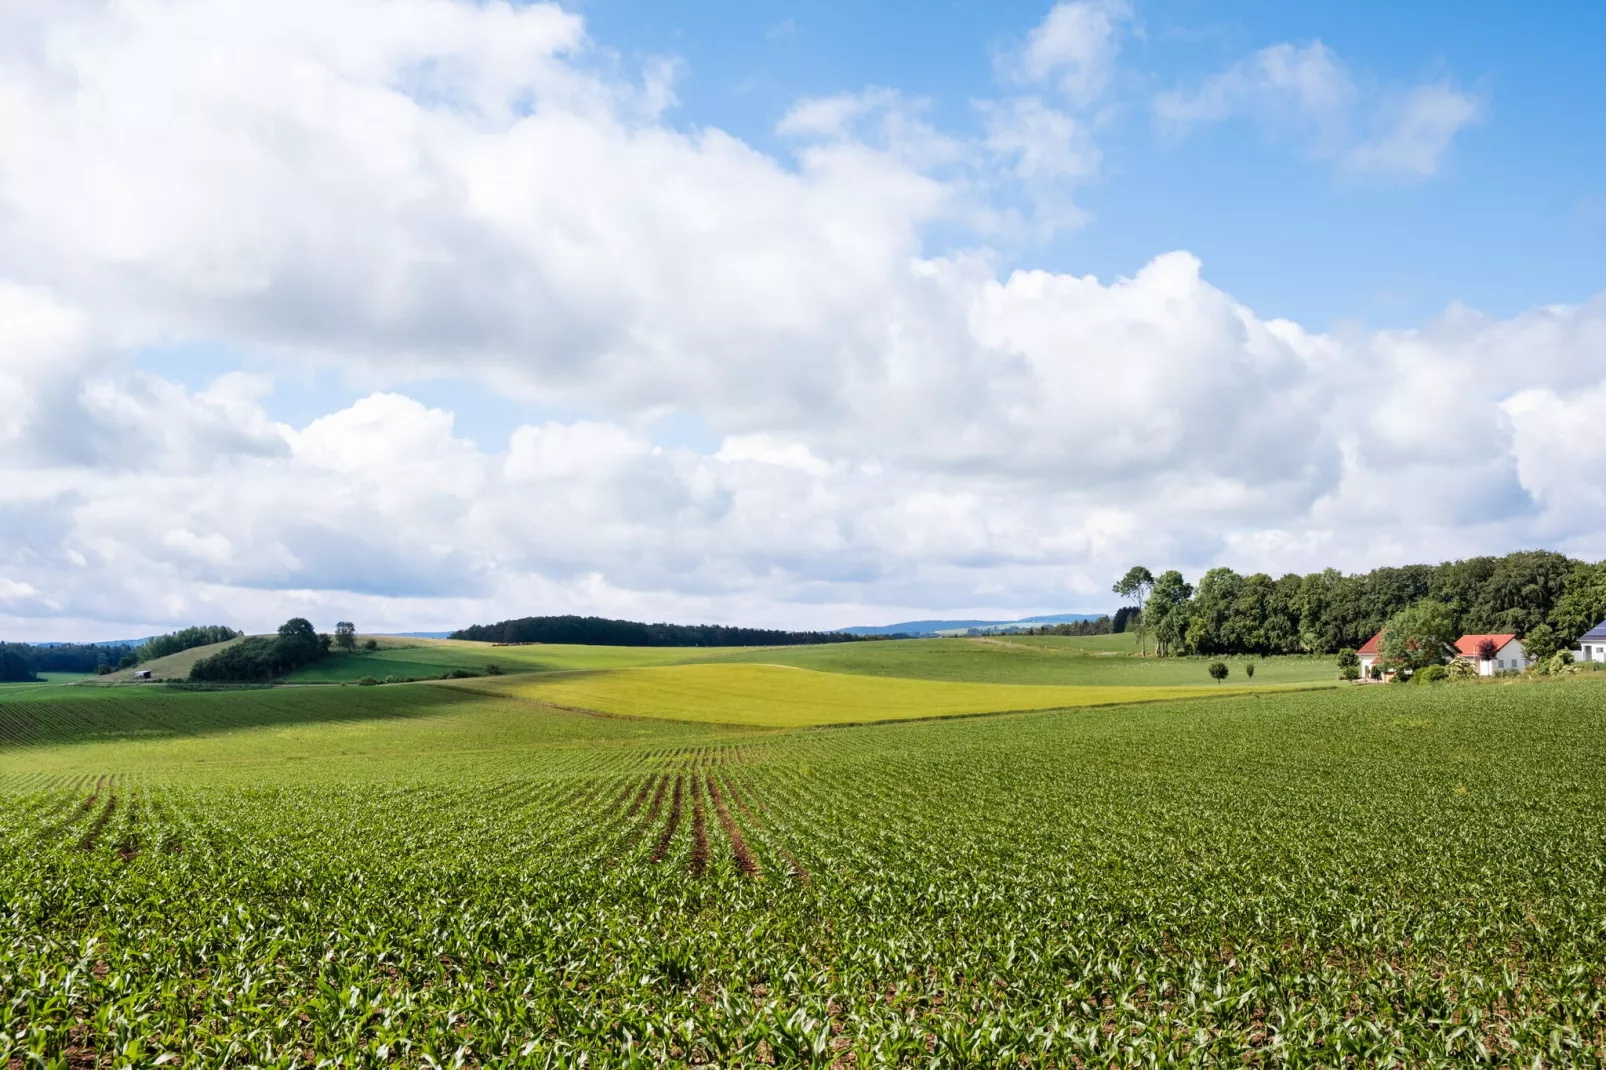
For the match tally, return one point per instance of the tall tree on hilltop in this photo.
(1135, 587)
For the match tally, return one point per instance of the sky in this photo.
(421, 313)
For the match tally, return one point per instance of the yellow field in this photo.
(781, 696)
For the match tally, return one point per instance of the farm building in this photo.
(1592, 647)
(1369, 653)
(1492, 653)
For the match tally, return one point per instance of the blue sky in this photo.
(424, 312)
(1516, 218)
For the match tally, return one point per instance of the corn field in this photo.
(1379, 876)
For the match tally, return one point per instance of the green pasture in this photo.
(438, 873)
(423, 658)
(1051, 660)
(786, 696)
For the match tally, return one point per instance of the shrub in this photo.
(1542, 643)
(370, 644)
(1218, 671)
(1349, 672)
(1429, 674)
(392, 680)
(367, 681)
(1249, 670)
(102, 669)
(1461, 669)
(1555, 664)
(493, 670)
(458, 674)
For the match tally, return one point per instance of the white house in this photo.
(1369, 653)
(1592, 647)
(1504, 652)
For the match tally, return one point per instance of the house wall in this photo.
(1508, 657)
(1590, 650)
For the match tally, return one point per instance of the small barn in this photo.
(1492, 653)
(1592, 646)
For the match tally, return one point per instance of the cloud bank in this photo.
(423, 187)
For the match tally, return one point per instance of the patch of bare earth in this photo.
(739, 850)
(699, 828)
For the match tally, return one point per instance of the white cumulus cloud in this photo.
(895, 424)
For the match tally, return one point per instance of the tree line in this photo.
(600, 631)
(22, 661)
(1125, 619)
(1532, 593)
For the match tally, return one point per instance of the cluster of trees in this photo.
(262, 657)
(185, 639)
(60, 657)
(602, 632)
(14, 668)
(1533, 593)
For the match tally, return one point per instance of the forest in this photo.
(599, 631)
(1529, 592)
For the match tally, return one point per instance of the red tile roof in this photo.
(1372, 646)
(1468, 644)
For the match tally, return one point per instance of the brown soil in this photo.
(699, 826)
(668, 836)
(744, 857)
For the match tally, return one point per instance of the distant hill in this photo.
(600, 631)
(937, 627)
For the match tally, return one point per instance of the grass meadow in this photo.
(474, 872)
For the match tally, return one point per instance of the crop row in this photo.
(1311, 880)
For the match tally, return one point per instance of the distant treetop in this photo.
(599, 631)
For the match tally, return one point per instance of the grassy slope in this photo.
(406, 657)
(787, 696)
(334, 733)
(1033, 660)
(1101, 661)
(172, 667)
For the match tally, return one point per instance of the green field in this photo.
(1100, 661)
(467, 874)
(1067, 661)
(784, 696)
